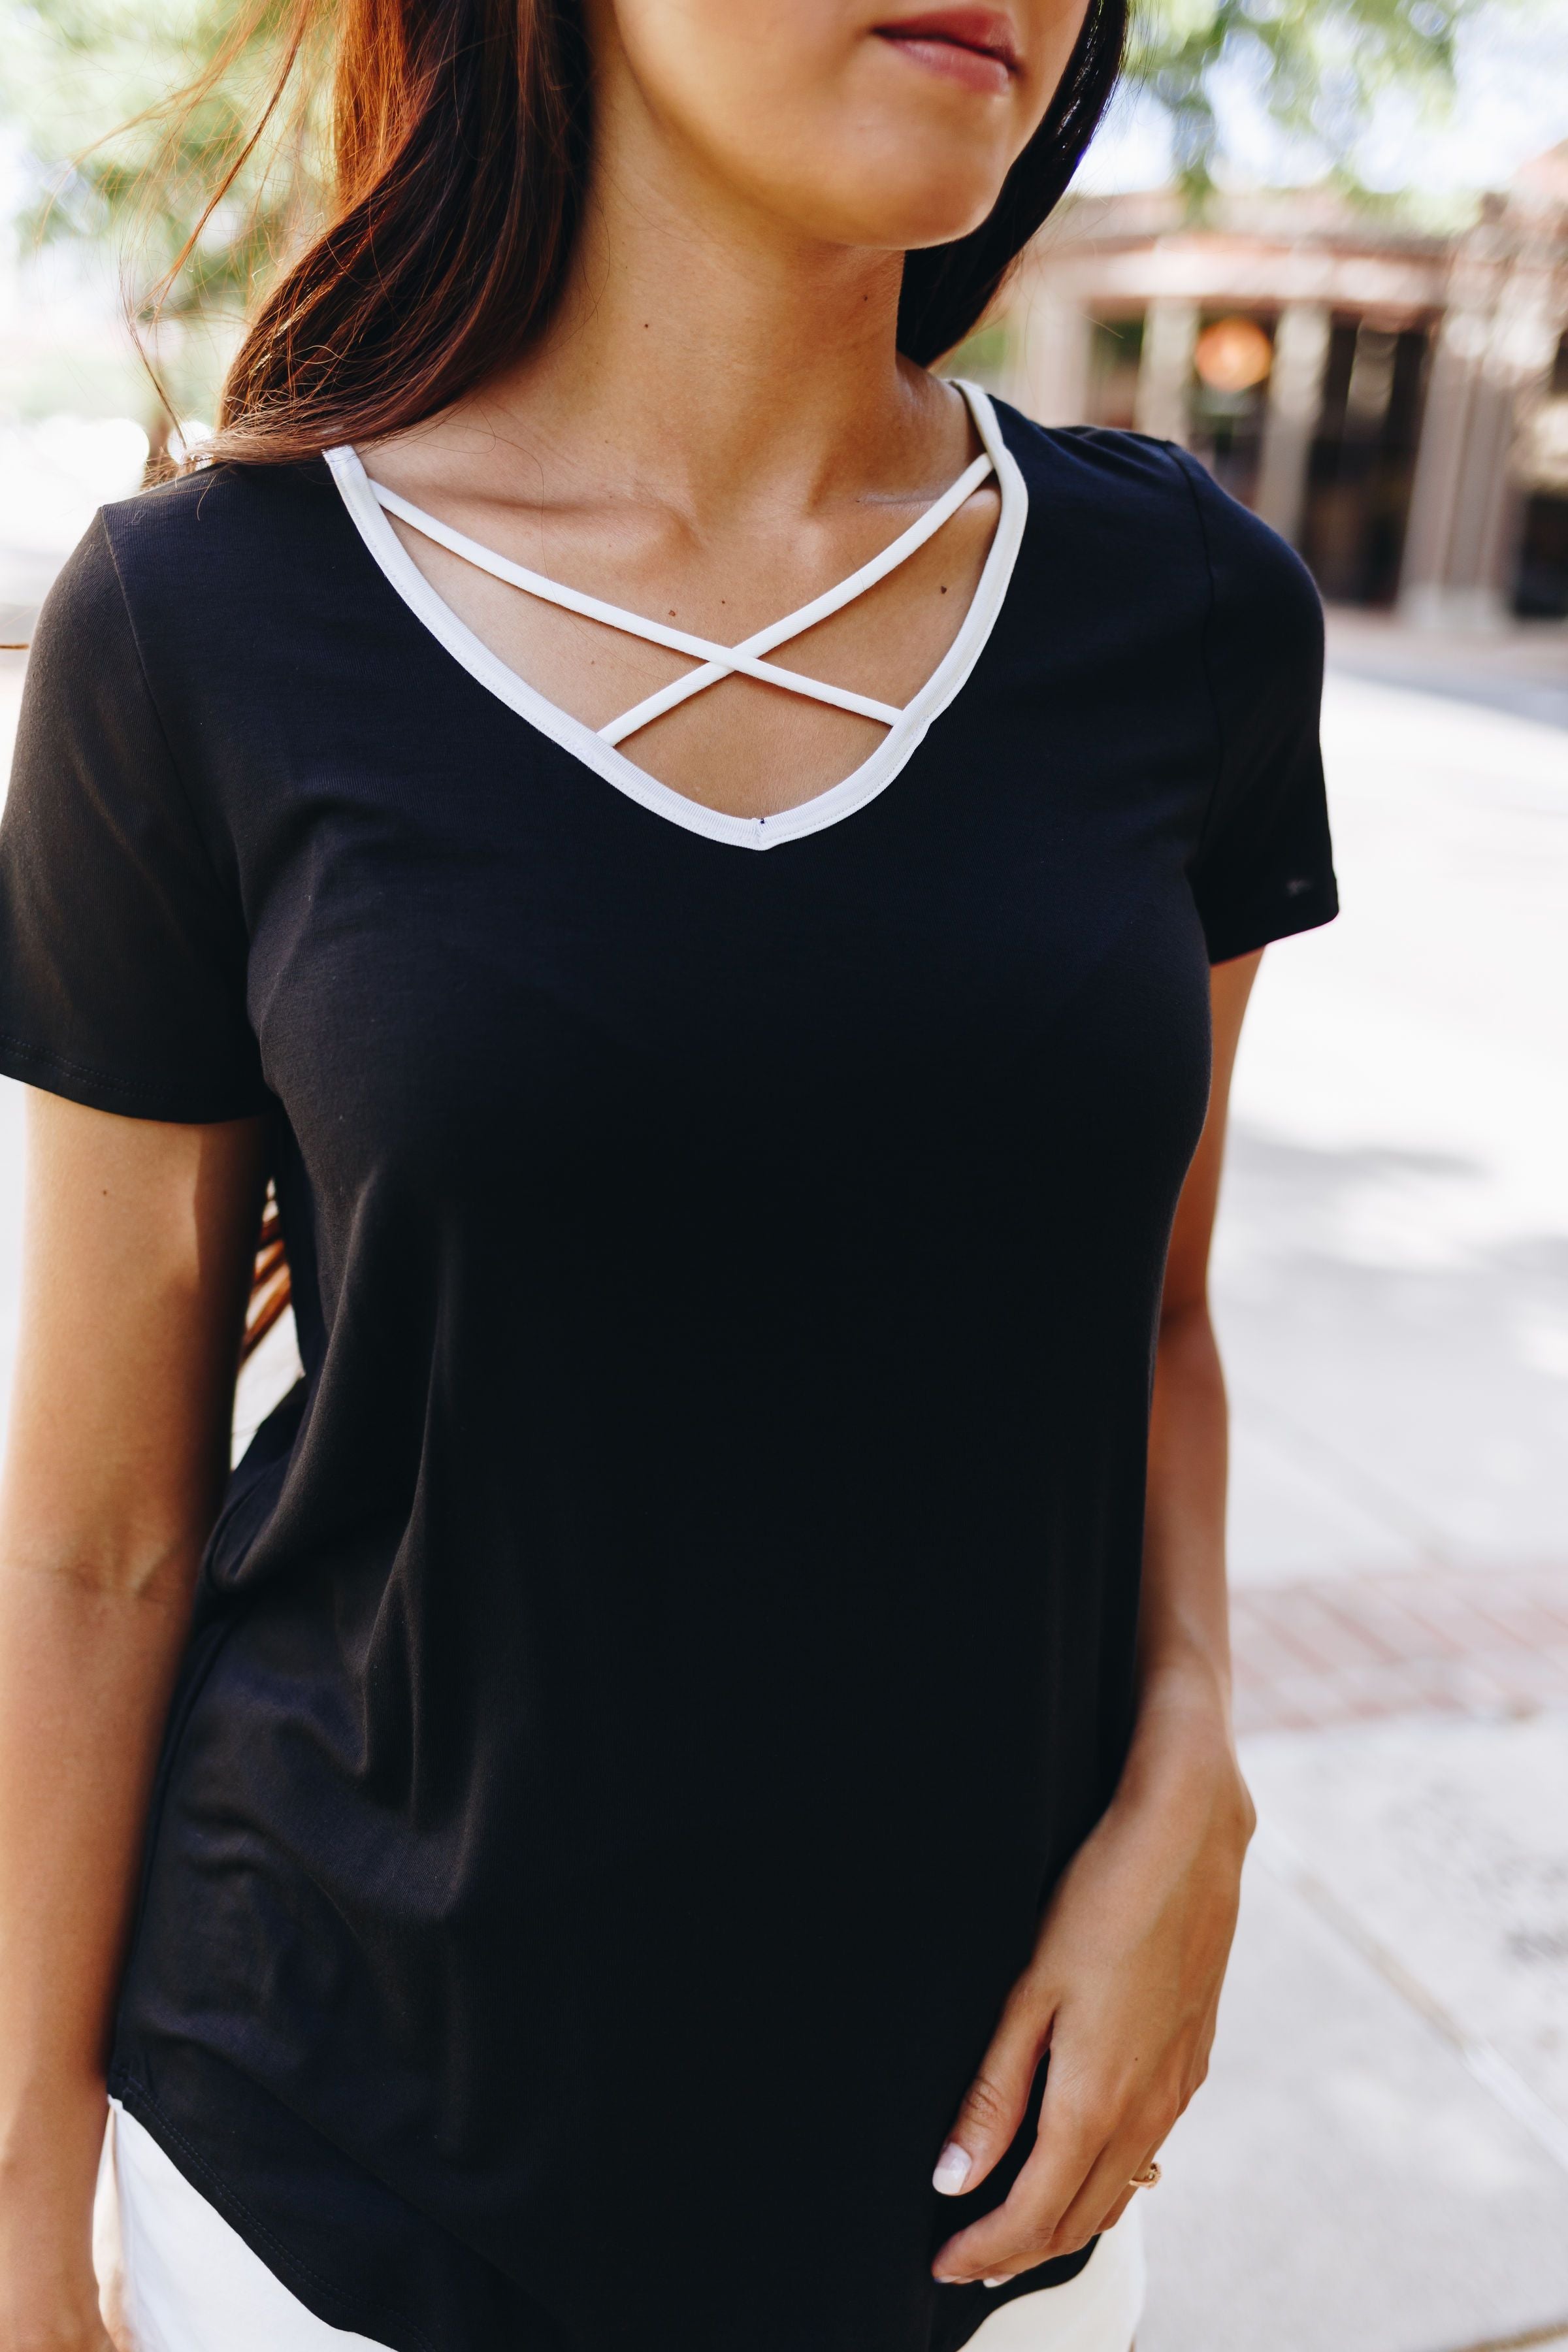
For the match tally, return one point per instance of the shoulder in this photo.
(1096, 460)
(1260, 585)
(176, 624)
(1156, 485)
(1090, 473)
(219, 528)
(213, 580)
(1174, 534)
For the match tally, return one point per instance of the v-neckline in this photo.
(852, 792)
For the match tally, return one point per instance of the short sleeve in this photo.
(1264, 865)
(121, 957)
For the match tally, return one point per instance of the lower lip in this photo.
(971, 68)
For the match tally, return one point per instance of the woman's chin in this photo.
(918, 234)
(886, 218)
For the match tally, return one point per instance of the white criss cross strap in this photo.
(714, 661)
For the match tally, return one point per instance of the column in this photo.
(1425, 587)
(1048, 374)
(1517, 374)
(1491, 362)
(1295, 398)
(1164, 371)
(1465, 512)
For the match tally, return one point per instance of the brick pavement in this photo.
(1344, 1649)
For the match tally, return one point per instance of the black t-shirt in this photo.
(649, 1673)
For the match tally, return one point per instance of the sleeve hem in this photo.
(78, 1082)
(1309, 914)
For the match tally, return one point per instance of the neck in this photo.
(715, 358)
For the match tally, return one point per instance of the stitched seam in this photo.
(268, 2237)
(63, 1061)
(152, 704)
(1184, 466)
(106, 1079)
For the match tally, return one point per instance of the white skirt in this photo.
(176, 2278)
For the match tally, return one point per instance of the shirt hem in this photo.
(984, 2302)
(320, 2295)
(1085, 2316)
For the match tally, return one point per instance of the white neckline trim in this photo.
(573, 735)
(714, 661)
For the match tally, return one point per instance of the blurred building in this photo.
(1396, 402)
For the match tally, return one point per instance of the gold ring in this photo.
(1147, 2177)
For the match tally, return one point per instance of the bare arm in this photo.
(1124, 1984)
(1184, 1626)
(138, 1246)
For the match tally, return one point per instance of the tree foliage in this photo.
(72, 71)
(117, 160)
(1318, 66)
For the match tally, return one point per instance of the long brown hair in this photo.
(460, 137)
(460, 143)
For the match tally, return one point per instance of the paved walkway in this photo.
(1343, 1650)
(1379, 2162)
(1521, 669)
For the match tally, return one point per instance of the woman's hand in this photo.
(1123, 1990)
(139, 1247)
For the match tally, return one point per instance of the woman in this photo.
(717, 1668)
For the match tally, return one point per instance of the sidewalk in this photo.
(1522, 668)
(1379, 2162)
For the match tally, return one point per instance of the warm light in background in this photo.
(1233, 356)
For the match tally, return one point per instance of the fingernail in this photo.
(953, 2167)
(996, 2282)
